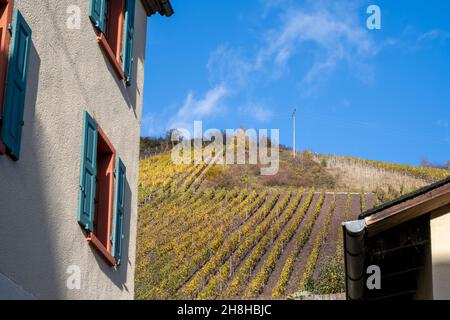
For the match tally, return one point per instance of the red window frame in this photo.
(112, 40)
(6, 13)
(100, 238)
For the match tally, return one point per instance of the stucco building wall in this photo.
(440, 254)
(39, 234)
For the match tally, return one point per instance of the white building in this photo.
(71, 84)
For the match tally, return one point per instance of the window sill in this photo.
(101, 39)
(92, 239)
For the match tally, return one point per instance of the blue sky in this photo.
(376, 94)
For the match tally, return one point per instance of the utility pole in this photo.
(293, 132)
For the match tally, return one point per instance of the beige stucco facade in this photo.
(39, 234)
(440, 254)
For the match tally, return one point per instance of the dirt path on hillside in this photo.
(267, 293)
(230, 232)
(370, 201)
(328, 248)
(240, 223)
(238, 266)
(300, 262)
(265, 256)
(355, 206)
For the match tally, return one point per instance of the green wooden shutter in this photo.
(127, 54)
(16, 84)
(119, 211)
(86, 208)
(97, 14)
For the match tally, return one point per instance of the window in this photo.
(15, 40)
(5, 18)
(114, 25)
(114, 20)
(102, 193)
(5, 38)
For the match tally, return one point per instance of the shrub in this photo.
(331, 278)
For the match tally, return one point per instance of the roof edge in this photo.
(163, 7)
(404, 198)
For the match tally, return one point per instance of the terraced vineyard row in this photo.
(428, 173)
(219, 243)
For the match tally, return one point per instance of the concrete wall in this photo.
(440, 253)
(39, 234)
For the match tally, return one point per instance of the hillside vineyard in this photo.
(216, 243)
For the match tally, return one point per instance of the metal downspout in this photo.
(354, 257)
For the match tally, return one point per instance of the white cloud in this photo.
(434, 35)
(198, 109)
(331, 35)
(261, 113)
(442, 123)
(257, 111)
(228, 65)
(326, 34)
